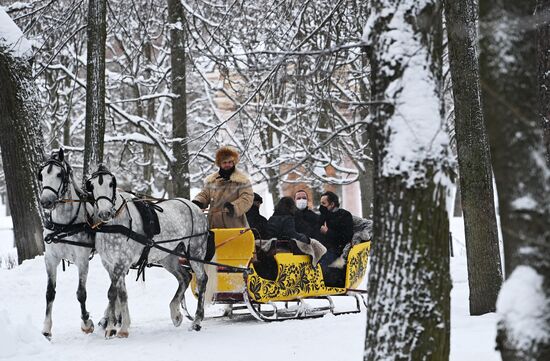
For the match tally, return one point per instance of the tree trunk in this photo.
(542, 14)
(21, 147)
(508, 80)
(531, 279)
(476, 184)
(95, 89)
(409, 282)
(179, 170)
(509, 72)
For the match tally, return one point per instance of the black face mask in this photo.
(226, 174)
(323, 210)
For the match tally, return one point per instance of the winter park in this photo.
(275, 180)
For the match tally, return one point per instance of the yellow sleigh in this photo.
(243, 284)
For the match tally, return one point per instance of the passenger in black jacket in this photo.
(281, 225)
(256, 221)
(307, 221)
(337, 231)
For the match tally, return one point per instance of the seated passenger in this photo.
(281, 225)
(256, 221)
(307, 221)
(337, 231)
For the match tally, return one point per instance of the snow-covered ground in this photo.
(152, 336)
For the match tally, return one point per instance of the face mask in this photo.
(323, 209)
(301, 204)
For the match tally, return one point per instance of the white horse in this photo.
(120, 241)
(64, 233)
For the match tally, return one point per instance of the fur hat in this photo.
(225, 153)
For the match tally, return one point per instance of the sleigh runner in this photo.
(294, 280)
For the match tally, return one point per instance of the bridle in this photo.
(65, 176)
(99, 174)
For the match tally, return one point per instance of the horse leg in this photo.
(171, 264)
(87, 324)
(51, 270)
(202, 279)
(110, 314)
(122, 296)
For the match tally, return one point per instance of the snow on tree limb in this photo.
(12, 38)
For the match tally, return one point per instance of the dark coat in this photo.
(283, 227)
(257, 222)
(307, 222)
(340, 230)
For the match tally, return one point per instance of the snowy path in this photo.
(153, 337)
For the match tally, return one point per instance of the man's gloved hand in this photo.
(201, 206)
(230, 208)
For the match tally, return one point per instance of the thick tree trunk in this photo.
(476, 184)
(408, 315)
(95, 89)
(508, 79)
(542, 15)
(179, 170)
(21, 147)
(509, 72)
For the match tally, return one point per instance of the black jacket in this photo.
(257, 222)
(283, 227)
(307, 222)
(340, 230)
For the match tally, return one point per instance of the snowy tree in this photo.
(20, 138)
(543, 55)
(409, 283)
(95, 86)
(180, 168)
(508, 74)
(476, 180)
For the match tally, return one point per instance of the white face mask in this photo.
(301, 204)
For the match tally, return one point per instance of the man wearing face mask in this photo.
(307, 221)
(337, 232)
(228, 192)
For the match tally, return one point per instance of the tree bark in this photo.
(22, 152)
(508, 79)
(542, 14)
(95, 89)
(476, 184)
(179, 170)
(409, 282)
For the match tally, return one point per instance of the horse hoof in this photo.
(195, 327)
(110, 333)
(122, 334)
(103, 323)
(177, 320)
(47, 335)
(87, 326)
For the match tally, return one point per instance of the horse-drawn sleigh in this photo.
(107, 220)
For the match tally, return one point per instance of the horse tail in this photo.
(212, 284)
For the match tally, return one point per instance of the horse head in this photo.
(102, 186)
(55, 176)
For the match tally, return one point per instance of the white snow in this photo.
(12, 37)
(523, 307)
(152, 335)
(525, 203)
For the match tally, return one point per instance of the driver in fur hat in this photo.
(228, 192)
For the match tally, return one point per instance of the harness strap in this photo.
(147, 242)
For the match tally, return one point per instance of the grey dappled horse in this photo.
(179, 218)
(60, 195)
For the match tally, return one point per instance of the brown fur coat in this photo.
(216, 191)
